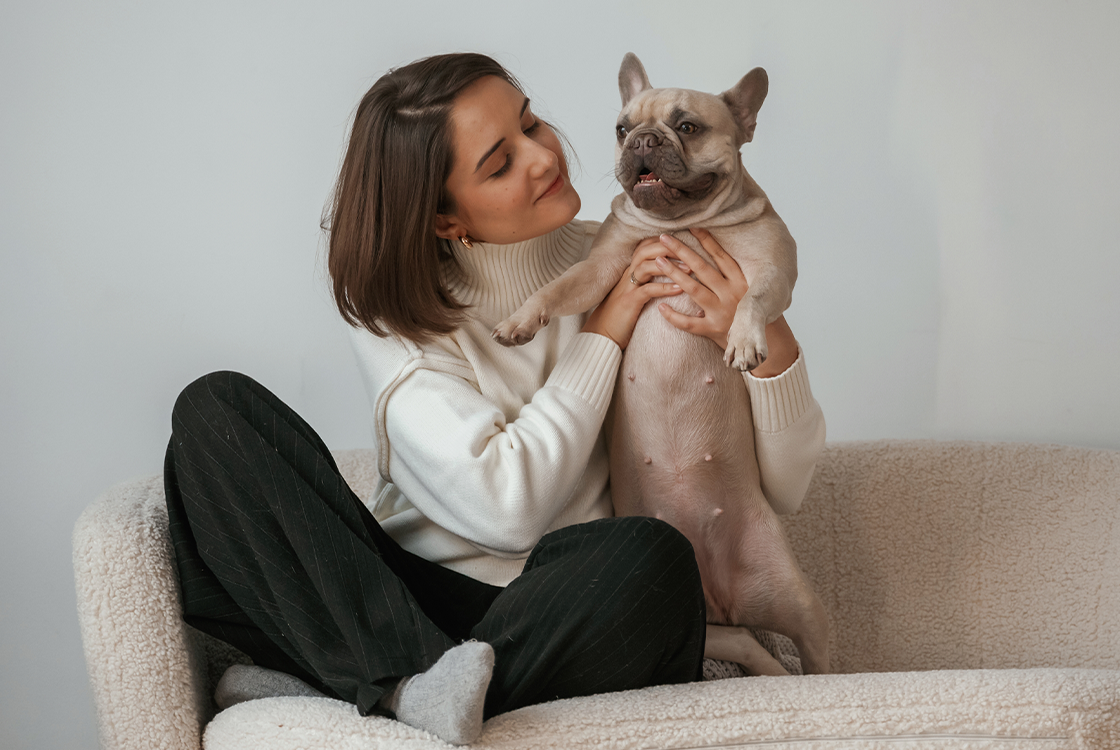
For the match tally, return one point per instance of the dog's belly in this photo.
(682, 449)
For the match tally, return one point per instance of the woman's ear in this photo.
(449, 228)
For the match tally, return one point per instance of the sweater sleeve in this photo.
(498, 483)
(789, 434)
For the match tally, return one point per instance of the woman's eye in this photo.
(509, 157)
(504, 168)
(687, 128)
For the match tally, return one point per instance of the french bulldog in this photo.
(682, 438)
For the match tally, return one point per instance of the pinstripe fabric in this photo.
(277, 556)
(613, 604)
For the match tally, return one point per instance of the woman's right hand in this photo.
(616, 315)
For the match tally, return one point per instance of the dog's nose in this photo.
(643, 143)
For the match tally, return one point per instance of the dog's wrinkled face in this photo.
(676, 147)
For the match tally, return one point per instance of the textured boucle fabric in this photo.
(1036, 708)
(953, 555)
(147, 671)
(972, 590)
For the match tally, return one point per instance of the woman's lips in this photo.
(554, 187)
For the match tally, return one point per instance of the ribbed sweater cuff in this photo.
(780, 401)
(588, 368)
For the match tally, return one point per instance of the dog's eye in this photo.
(687, 128)
(621, 131)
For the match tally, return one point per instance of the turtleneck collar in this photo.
(497, 279)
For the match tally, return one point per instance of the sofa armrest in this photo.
(145, 664)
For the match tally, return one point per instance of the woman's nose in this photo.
(542, 161)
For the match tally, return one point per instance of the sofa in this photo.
(973, 591)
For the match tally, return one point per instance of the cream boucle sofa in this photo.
(973, 589)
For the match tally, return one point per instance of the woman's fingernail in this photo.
(660, 261)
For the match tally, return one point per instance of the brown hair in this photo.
(384, 256)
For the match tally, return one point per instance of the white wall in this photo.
(949, 169)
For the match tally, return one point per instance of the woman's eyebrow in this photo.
(496, 146)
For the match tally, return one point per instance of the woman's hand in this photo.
(616, 315)
(717, 290)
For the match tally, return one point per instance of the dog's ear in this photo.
(745, 99)
(632, 78)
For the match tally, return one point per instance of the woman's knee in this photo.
(656, 576)
(212, 392)
(656, 532)
(635, 552)
(658, 548)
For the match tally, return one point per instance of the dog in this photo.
(682, 438)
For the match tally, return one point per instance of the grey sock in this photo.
(448, 699)
(242, 683)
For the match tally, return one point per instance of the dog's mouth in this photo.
(651, 189)
(650, 180)
(651, 193)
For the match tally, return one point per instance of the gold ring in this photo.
(632, 279)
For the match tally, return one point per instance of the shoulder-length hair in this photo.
(384, 258)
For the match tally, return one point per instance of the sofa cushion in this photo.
(1047, 709)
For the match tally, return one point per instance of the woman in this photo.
(493, 576)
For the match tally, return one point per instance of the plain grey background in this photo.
(950, 170)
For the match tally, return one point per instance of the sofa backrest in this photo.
(958, 555)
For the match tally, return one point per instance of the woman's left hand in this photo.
(717, 290)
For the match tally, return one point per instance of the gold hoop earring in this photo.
(466, 242)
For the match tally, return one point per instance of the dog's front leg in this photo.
(580, 288)
(769, 296)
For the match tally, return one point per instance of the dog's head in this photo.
(676, 147)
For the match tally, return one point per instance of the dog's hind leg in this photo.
(730, 643)
(776, 595)
(801, 617)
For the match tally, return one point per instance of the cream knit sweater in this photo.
(483, 449)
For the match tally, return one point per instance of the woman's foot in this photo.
(244, 682)
(448, 699)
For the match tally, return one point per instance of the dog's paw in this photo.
(746, 346)
(519, 329)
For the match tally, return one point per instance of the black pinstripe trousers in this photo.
(278, 557)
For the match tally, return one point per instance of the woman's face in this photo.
(509, 180)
